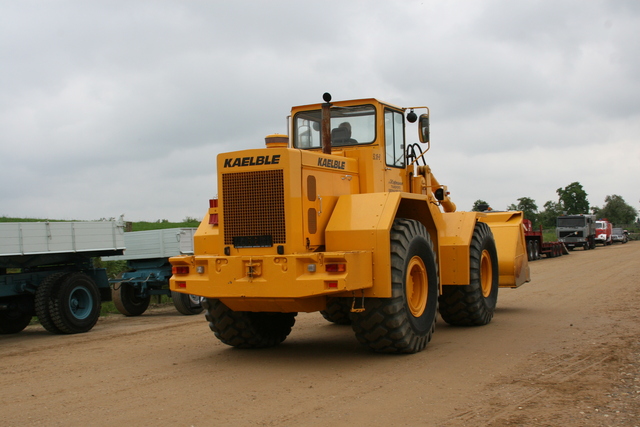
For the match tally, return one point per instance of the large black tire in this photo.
(475, 303)
(338, 310)
(16, 317)
(75, 304)
(405, 322)
(126, 300)
(43, 300)
(186, 304)
(244, 329)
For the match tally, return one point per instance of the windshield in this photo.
(571, 222)
(349, 126)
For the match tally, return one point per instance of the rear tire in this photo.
(245, 329)
(127, 301)
(475, 303)
(405, 322)
(337, 311)
(75, 304)
(186, 304)
(43, 301)
(16, 317)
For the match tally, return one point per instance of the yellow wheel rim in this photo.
(486, 273)
(416, 286)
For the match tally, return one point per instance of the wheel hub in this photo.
(486, 273)
(416, 286)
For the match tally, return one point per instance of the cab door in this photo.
(395, 153)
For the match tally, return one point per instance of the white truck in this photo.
(46, 270)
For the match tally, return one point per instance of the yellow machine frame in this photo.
(337, 210)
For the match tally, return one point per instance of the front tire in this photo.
(245, 329)
(475, 303)
(405, 322)
(126, 299)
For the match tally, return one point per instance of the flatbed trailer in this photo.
(147, 255)
(536, 246)
(46, 270)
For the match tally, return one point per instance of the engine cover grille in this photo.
(253, 208)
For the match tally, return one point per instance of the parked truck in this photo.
(46, 270)
(344, 217)
(536, 246)
(577, 231)
(147, 254)
(603, 232)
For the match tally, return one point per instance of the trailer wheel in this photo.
(244, 329)
(43, 300)
(127, 301)
(405, 322)
(16, 317)
(337, 311)
(186, 304)
(75, 304)
(474, 304)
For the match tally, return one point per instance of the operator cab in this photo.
(349, 126)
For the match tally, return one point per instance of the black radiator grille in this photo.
(253, 208)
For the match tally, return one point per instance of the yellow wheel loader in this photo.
(343, 216)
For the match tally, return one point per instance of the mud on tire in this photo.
(244, 329)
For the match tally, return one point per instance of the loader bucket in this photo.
(508, 232)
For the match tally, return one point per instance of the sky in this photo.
(112, 108)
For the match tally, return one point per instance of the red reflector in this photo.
(181, 284)
(213, 203)
(213, 219)
(181, 269)
(336, 268)
(332, 284)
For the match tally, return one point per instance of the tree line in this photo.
(572, 200)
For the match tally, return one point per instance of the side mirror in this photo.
(423, 128)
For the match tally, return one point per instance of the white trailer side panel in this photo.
(34, 238)
(152, 244)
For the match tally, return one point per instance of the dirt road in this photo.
(561, 350)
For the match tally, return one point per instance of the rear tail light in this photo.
(213, 216)
(336, 268)
(181, 269)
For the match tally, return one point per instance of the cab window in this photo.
(394, 138)
(349, 126)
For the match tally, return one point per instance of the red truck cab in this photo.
(603, 231)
